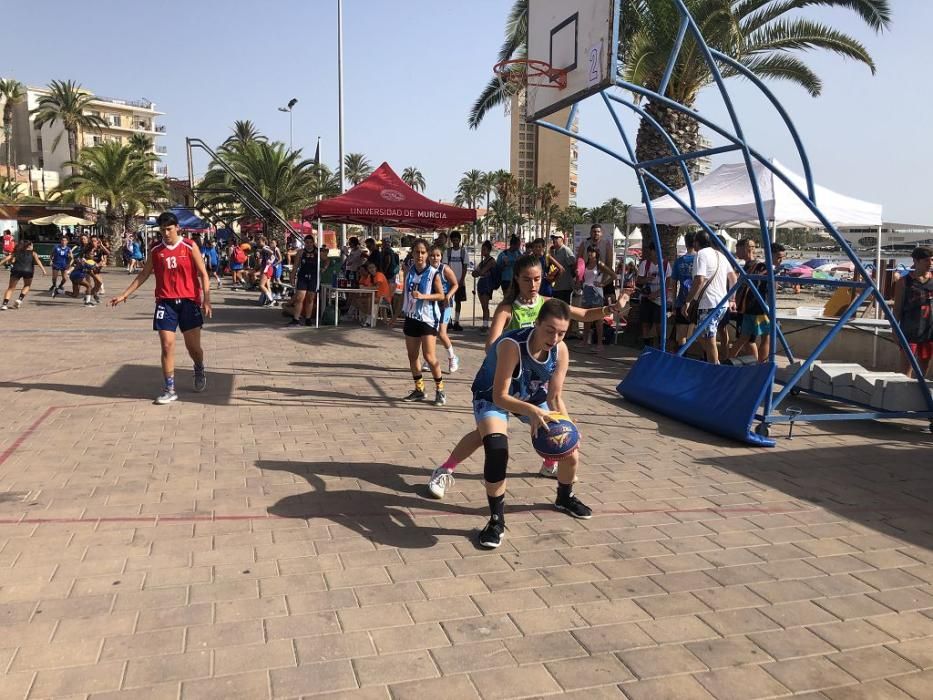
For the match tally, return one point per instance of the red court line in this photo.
(340, 514)
(5, 455)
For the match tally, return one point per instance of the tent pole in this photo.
(774, 230)
(317, 301)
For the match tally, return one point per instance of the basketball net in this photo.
(512, 84)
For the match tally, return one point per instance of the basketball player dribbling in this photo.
(182, 290)
(523, 375)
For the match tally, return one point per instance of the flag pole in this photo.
(343, 227)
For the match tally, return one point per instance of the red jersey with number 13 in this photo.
(176, 275)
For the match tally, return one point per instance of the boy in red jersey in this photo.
(181, 283)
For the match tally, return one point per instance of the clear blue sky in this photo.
(412, 69)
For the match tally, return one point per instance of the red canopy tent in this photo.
(383, 199)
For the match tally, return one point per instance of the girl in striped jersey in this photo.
(423, 290)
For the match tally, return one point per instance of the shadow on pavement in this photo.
(886, 486)
(384, 516)
(142, 382)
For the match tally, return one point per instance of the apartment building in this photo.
(36, 152)
(540, 155)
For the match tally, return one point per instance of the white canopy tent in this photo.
(725, 198)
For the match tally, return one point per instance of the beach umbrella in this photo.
(844, 267)
(816, 263)
(61, 220)
(802, 271)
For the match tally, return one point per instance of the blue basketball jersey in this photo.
(420, 309)
(60, 255)
(531, 377)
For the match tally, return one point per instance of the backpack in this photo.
(239, 257)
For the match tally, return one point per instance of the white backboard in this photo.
(580, 36)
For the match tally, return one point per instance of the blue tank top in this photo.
(60, 256)
(419, 309)
(531, 377)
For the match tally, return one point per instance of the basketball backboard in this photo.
(579, 36)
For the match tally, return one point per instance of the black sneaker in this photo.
(440, 398)
(491, 536)
(308, 322)
(415, 396)
(574, 506)
(293, 323)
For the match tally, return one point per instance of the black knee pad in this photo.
(496, 447)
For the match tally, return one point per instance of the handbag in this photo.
(692, 308)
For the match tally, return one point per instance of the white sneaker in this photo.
(165, 397)
(548, 469)
(441, 480)
(453, 364)
(102, 291)
(17, 303)
(425, 367)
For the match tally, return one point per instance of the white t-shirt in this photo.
(705, 265)
(650, 271)
(458, 259)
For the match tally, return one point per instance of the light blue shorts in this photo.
(448, 314)
(487, 409)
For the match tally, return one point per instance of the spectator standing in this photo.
(683, 278)
(913, 308)
(603, 245)
(506, 262)
(648, 281)
(712, 278)
(484, 285)
(458, 259)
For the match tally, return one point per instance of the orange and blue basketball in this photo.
(559, 440)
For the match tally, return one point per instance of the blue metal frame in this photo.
(737, 142)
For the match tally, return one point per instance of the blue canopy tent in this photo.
(187, 220)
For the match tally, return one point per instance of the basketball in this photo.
(560, 439)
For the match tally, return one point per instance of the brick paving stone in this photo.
(544, 647)
(449, 688)
(526, 681)
(792, 643)
(671, 688)
(734, 651)
(917, 685)
(873, 690)
(394, 668)
(148, 670)
(747, 683)
(466, 658)
(871, 663)
(808, 674)
(918, 651)
(661, 661)
(480, 629)
(589, 671)
(851, 634)
(325, 677)
(247, 685)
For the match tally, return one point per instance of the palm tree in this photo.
(120, 178)
(470, 189)
(547, 195)
(10, 192)
(12, 92)
(279, 175)
(763, 35)
(140, 143)
(325, 183)
(244, 131)
(567, 218)
(413, 178)
(356, 168)
(66, 103)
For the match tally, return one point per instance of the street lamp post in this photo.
(288, 108)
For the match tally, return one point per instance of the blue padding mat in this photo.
(717, 398)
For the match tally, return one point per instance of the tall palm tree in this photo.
(547, 195)
(244, 131)
(489, 183)
(470, 189)
(356, 168)
(12, 92)
(67, 102)
(764, 35)
(119, 177)
(288, 182)
(10, 192)
(413, 178)
(325, 183)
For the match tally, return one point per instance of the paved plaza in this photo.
(271, 538)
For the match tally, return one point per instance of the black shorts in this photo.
(306, 284)
(563, 294)
(25, 276)
(460, 294)
(505, 286)
(414, 328)
(650, 312)
(680, 319)
(609, 290)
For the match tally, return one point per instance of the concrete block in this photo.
(827, 371)
(904, 396)
(866, 382)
